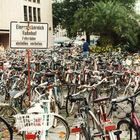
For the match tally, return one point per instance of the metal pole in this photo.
(29, 76)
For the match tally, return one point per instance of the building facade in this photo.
(36, 11)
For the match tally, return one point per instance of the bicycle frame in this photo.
(104, 131)
(108, 127)
(135, 119)
(47, 109)
(133, 116)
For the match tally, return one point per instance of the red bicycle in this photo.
(129, 125)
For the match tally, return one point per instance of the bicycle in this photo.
(131, 129)
(90, 126)
(49, 123)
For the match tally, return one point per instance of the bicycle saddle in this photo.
(15, 93)
(75, 98)
(98, 100)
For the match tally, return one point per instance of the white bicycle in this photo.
(40, 124)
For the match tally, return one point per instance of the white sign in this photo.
(24, 35)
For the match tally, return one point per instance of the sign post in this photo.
(29, 76)
(25, 35)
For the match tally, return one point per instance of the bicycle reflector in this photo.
(110, 128)
(75, 130)
(30, 136)
(61, 134)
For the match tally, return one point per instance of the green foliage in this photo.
(64, 13)
(84, 17)
(129, 4)
(108, 48)
(111, 19)
(114, 20)
(57, 14)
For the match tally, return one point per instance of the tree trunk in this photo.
(88, 37)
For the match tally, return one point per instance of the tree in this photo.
(57, 13)
(65, 14)
(129, 4)
(112, 20)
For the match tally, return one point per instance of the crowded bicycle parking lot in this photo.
(59, 93)
(70, 70)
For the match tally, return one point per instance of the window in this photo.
(25, 13)
(34, 0)
(29, 0)
(30, 13)
(38, 11)
(38, 1)
(34, 13)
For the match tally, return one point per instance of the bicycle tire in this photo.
(7, 113)
(88, 127)
(131, 130)
(6, 132)
(70, 105)
(84, 134)
(53, 133)
(59, 97)
(95, 131)
(64, 133)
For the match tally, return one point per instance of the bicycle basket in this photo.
(34, 122)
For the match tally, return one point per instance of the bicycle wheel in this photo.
(69, 107)
(84, 134)
(94, 128)
(7, 113)
(137, 103)
(87, 126)
(128, 131)
(60, 129)
(122, 110)
(6, 132)
(59, 96)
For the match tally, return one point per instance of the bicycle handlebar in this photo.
(119, 100)
(43, 84)
(94, 85)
